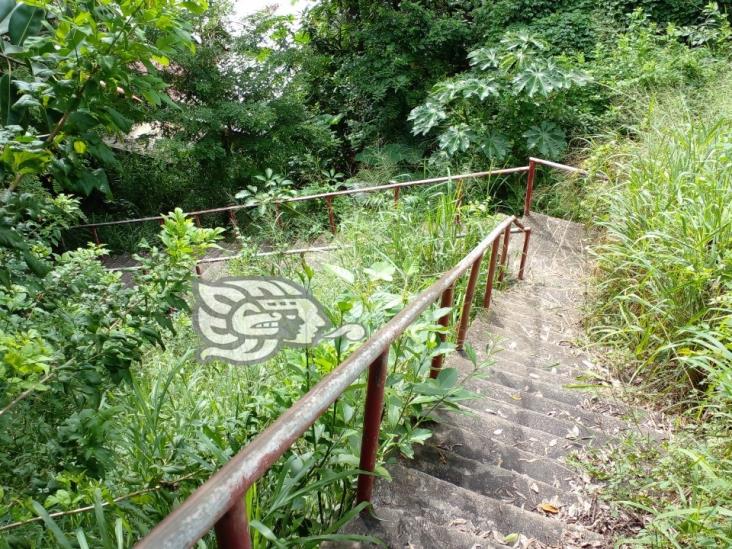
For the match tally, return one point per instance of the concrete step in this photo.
(444, 503)
(505, 485)
(537, 442)
(396, 528)
(518, 414)
(538, 402)
(484, 448)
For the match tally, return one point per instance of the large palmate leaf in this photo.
(484, 58)
(548, 139)
(456, 138)
(425, 117)
(538, 79)
(478, 87)
(495, 145)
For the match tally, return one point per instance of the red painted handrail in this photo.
(219, 502)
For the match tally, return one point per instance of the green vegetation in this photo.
(664, 305)
(107, 421)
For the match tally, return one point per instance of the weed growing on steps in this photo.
(664, 294)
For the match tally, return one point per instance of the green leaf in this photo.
(381, 271)
(340, 272)
(456, 138)
(547, 139)
(25, 21)
(120, 122)
(537, 78)
(447, 378)
(61, 539)
(6, 6)
(426, 117)
(484, 58)
(26, 101)
(495, 146)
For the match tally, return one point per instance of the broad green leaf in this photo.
(484, 58)
(447, 378)
(61, 539)
(426, 117)
(478, 87)
(25, 21)
(537, 78)
(6, 6)
(118, 120)
(381, 271)
(79, 146)
(495, 145)
(340, 272)
(456, 138)
(547, 139)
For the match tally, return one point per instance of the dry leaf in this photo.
(548, 508)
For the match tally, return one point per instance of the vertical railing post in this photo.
(504, 254)
(278, 222)
(232, 220)
(232, 529)
(371, 425)
(458, 201)
(396, 196)
(96, 235)
(469, 294)
(524, 252)
(331, 214)
(529, 187)
(491, 274)
(444, 320)
(198, 269)
(197, 219)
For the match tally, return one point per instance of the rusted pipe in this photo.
(468, 303)
(444, 321)
(529, 187)
(96, 235)
(504, 254)
(418, 182)
(491, 274)
(524, 252)
(197, 219)
(193, 518)
(331, 214)
(396, 196)
(371, 426)
(232, 529)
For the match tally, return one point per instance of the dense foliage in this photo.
(113, 109)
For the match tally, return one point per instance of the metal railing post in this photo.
(504, 254)
(396, 196)
(491, 274)
(529, 187)
(232, 220)
(232, 529)
(96, 235)
(197, 219)
(371, 425)
(469, 294)
(278, 221)
(524, 252)
(331, 214)
(444, 320)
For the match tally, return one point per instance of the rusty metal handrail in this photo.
(219, 502)
(327, 196)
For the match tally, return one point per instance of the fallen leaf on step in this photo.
(516, 396)
(498, 432)
(553, 442)
(458, 522)
(573, 433)
(548, 508)
(511, 538)
(534, 487)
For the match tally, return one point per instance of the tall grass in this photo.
(664, 295)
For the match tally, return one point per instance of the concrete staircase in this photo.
(497, 475)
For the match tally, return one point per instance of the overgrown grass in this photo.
(664, 296)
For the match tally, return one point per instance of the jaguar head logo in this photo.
(248, 320)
